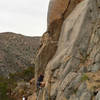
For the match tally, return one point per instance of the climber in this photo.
(40, 85)
(40, 82)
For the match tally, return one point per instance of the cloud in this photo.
(23, 16)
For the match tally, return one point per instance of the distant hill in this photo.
(16, 52)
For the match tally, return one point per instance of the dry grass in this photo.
(94, 81)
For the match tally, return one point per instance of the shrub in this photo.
(25, 75)
(11, 83)
(28, 73)
(4, 88)
(84, 77)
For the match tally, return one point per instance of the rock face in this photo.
(57, 13)
(73, 69)
(16, 52)
(59, 9)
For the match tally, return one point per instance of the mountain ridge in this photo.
(15, 52)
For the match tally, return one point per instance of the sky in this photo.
(27, 17)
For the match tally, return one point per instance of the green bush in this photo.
(4, 88)
(84, 77)
(25, 75)
(28, 73)
(11, 83)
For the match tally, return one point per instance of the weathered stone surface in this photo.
(73, 97)
(67, 80)
(83, 69)
(81, 89)
(57, 8)
(78, 46)
(94, 68)
(85, 96)
(58, 11)
(97, 58)
(75, 83)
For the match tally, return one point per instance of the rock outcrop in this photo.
(70, 55)
(16, 52)
(57, 13)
